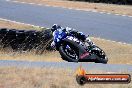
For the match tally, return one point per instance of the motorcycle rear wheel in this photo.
(66, 56)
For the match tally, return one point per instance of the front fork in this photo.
(89, 42)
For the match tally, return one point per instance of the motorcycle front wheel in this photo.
(68, 53)
(102, 58)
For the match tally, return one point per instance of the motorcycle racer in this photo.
(69, 31)
(74, 46)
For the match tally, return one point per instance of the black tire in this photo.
(65, 56)
(101, 58)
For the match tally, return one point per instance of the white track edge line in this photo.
(90, 10)
(49, 28)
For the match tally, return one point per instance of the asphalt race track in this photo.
(107, 26)
(68, 65)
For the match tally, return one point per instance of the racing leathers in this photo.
(70, 31)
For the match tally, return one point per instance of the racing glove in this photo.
(53, 45)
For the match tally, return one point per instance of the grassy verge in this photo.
(12, 25)
(117, 53)
(12, 77)
(116, 9)
(8, 54)
(29, 56)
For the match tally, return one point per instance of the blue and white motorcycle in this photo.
(72, 49)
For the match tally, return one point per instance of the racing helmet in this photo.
(55, 27)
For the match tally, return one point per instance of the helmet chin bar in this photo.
(55, 27)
